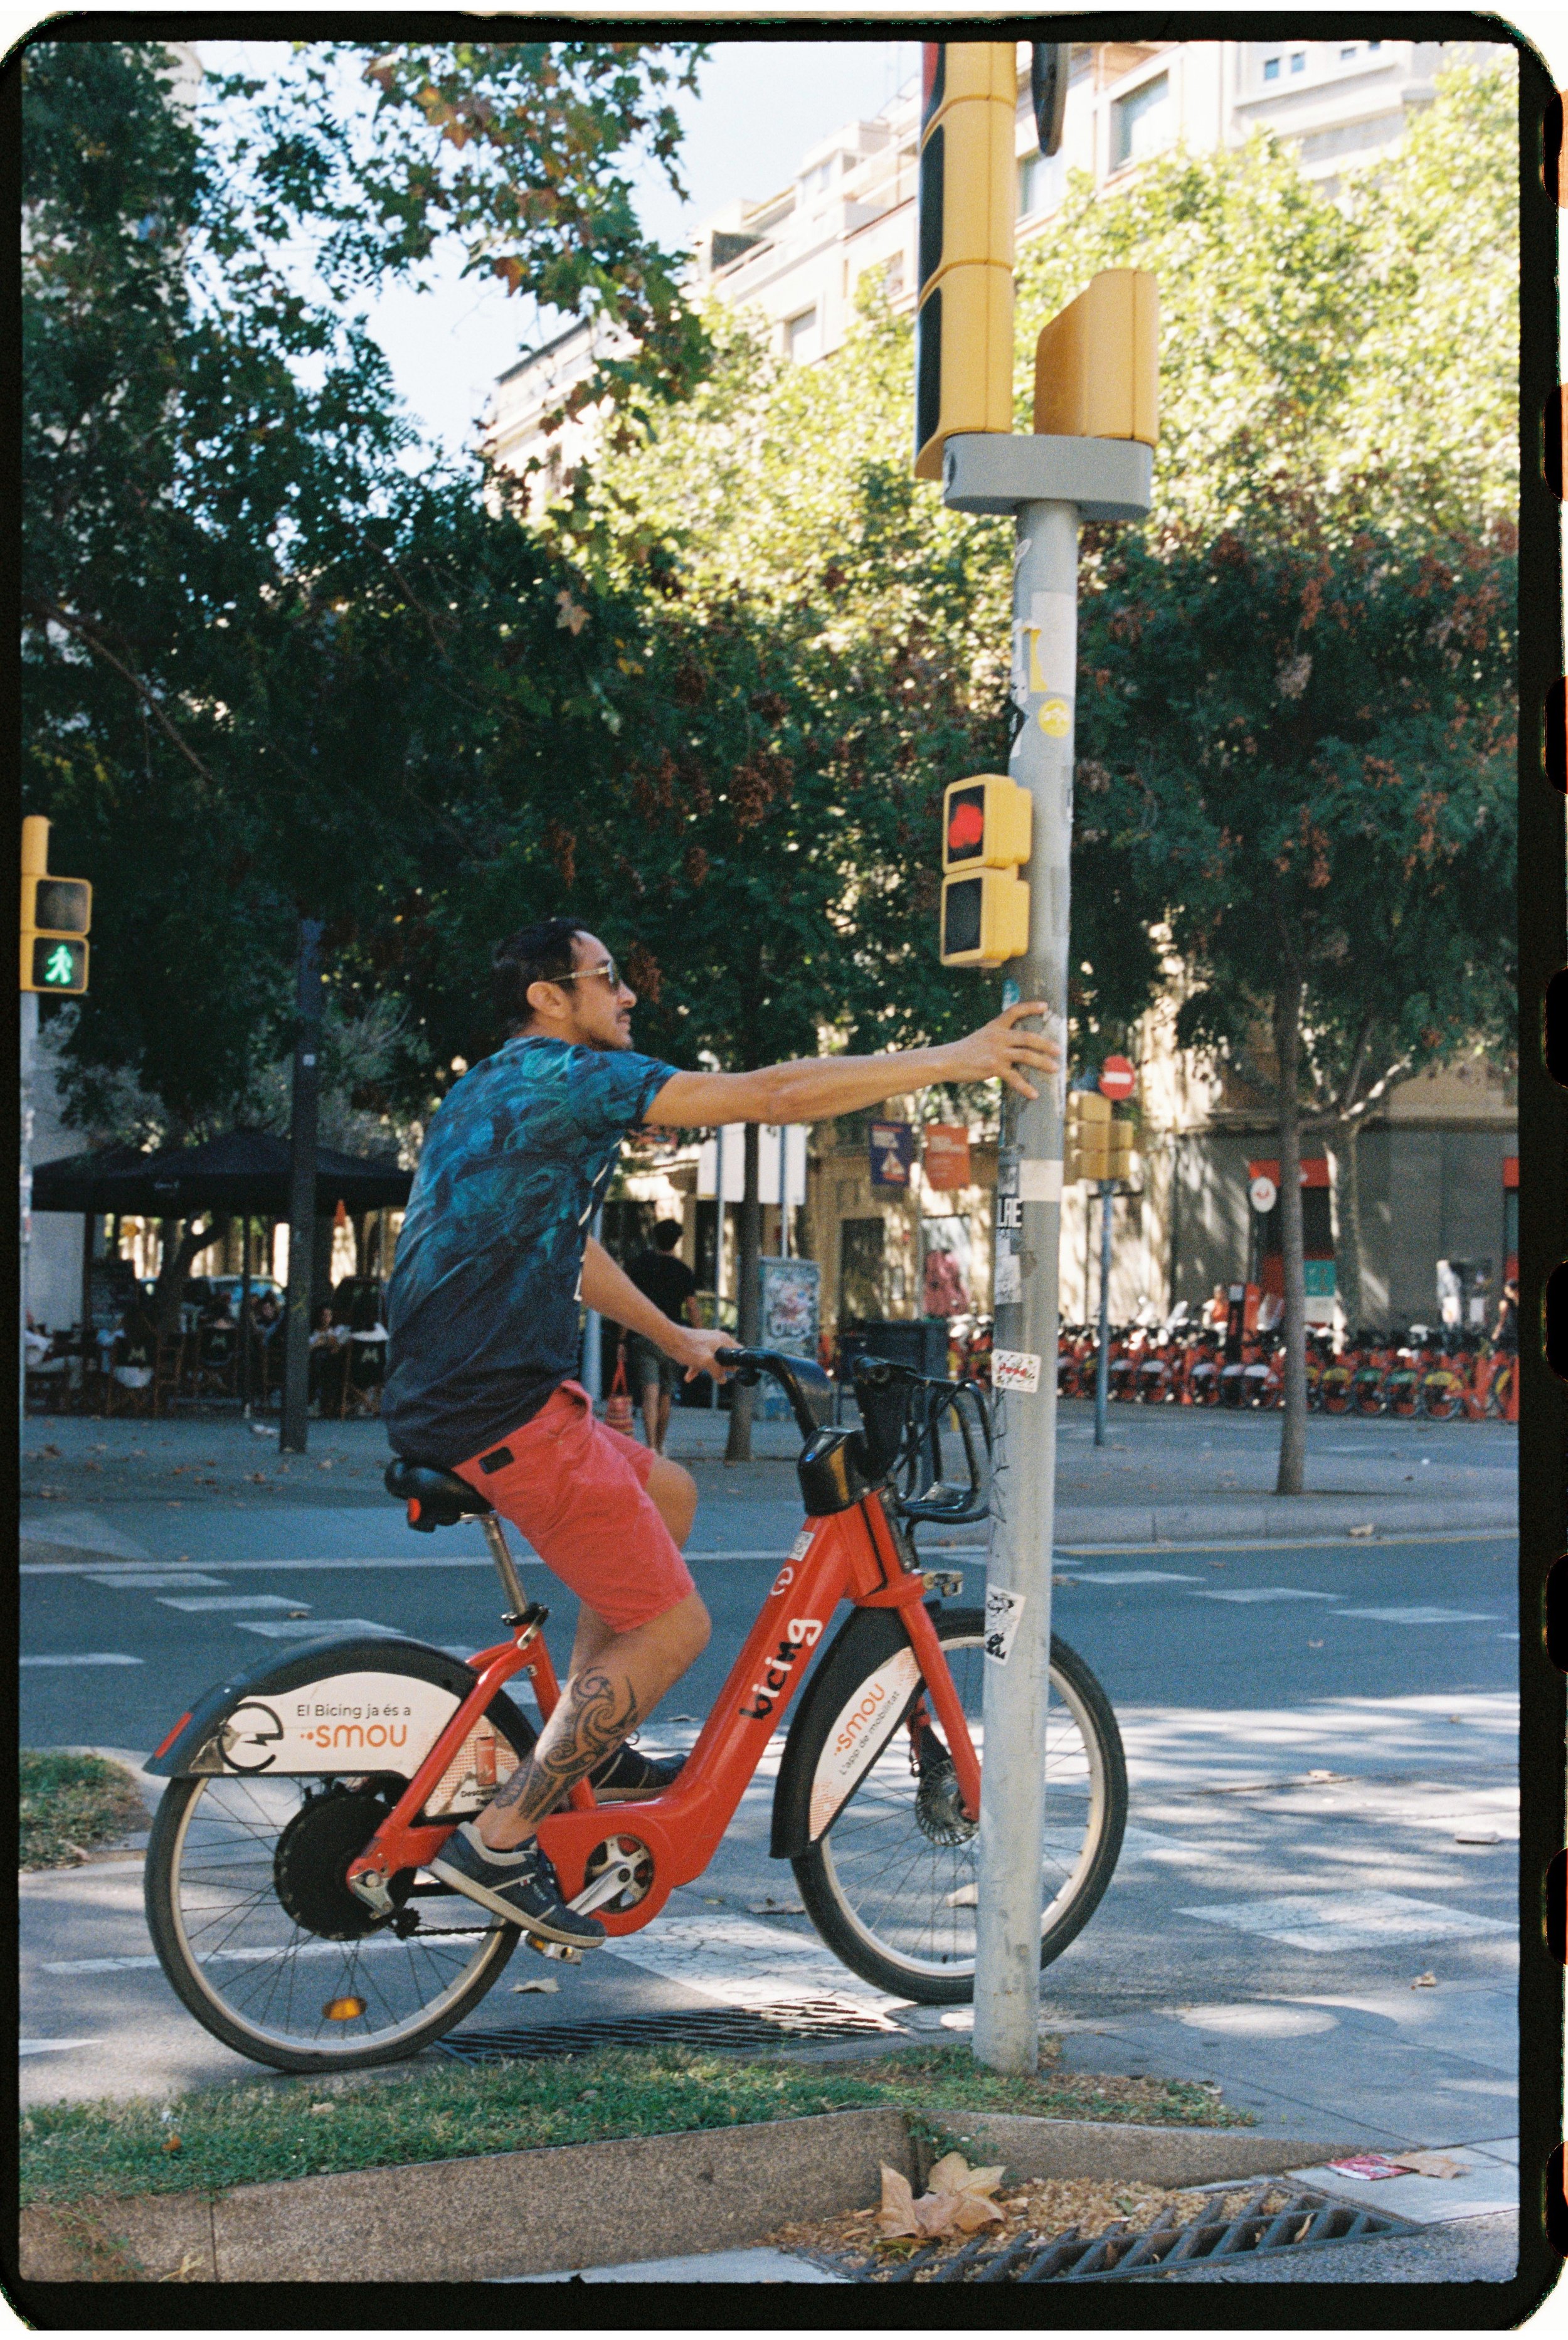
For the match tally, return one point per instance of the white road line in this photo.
(315, 1629)
(1347, 1921)
(216, 1601)
(88, 1658)
(152, 1580)
(1137, 1576)
(1418, 1616)
(54, 2046)
(1268, 1592)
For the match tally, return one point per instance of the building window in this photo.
(1142, 123)
(1271, 68)
(1040, 183)
(1299, 62)
(1345, 55)
(801, 337)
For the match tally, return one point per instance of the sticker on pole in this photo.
(1015, 1368)
(1263, 1195)
(1002, 1612)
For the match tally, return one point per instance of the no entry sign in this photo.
(1117, 1079)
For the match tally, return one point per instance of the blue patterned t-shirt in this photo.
(482, 1306)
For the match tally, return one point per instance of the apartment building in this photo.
(796, 258)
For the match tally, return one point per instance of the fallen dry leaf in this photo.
(1432, 2165)
(1425, 1982)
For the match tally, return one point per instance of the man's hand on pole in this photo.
(698, 1352)
(1000, 1051)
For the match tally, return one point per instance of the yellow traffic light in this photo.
(1097, 1146)
(987, 823)
(1097, 364)
(56, 914)
(984, 918)
(963, 329)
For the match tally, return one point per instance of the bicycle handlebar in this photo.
(749, 1366)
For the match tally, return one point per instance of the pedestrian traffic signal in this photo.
(987, 823)
(963, 327)
(1097, 364)
(56, 913)
(1097, 1146)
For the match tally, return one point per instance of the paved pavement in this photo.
(1320, 1736)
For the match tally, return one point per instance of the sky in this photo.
(758, 108)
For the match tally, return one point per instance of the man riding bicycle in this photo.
(494, 1259)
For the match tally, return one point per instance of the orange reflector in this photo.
(344, 2010)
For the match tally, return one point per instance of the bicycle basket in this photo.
(907, 1419)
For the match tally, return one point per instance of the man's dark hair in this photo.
(667, 1233)
(541, 953)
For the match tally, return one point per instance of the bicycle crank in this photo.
(618, 1874)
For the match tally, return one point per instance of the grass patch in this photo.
(71, 1804)
(218, 2137)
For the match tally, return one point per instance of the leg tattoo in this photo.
(596, 1712)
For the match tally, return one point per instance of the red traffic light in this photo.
(967, 826)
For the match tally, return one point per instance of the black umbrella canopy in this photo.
(246, 1171)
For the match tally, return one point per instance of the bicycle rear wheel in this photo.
(258, 1935)
(891, 1885)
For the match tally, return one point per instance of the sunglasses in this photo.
(607, 968)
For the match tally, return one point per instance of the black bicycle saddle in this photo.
(436, 1499)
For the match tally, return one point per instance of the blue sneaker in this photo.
(521, 1886)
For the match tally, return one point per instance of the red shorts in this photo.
(578, 1491)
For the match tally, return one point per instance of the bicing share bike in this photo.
(288, 1887)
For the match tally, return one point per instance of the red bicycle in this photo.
(288, 1891)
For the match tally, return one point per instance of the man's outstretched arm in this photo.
(819, 1088)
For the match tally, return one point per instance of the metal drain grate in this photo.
(739, 2030)
(1304, 2217)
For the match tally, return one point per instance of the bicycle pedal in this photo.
(561, 1950)
(947, 1582)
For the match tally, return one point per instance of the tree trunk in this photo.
(1287, 1046)
(1348, 1244)
(177, 1252)
(739, 1449)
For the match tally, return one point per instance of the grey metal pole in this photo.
(594, 1331)
(1102, 1359)
(28, 1036)
(302, 1123)
(1028, 1240)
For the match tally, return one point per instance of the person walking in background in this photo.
(670, 1285)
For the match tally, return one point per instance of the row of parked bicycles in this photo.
(1442, 1374)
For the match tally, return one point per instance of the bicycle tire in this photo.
(436, 1996)
(833, 1880)
(1333, 1392)
(1442, 1403)
(1370, 1398)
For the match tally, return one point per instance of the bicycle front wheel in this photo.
(891, 1886)
(258, 1935)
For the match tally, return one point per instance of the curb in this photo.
(1272, 1515)
(561, 2207)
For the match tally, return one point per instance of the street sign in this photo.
(1117, 1079)
(1263, 1195)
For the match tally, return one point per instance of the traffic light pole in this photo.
(303, 1124)
(29, 1056)
(1050, 484)
(1029, 1229)
(1102, 1357)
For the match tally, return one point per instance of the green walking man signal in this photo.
(56, 914)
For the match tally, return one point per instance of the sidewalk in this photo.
(1166, 1475)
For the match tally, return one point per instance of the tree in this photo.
(522, 150)
(1307, 736)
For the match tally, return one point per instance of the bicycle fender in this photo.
(870, 1640)
(371, 1703)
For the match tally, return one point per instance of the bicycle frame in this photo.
(847, 1555)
